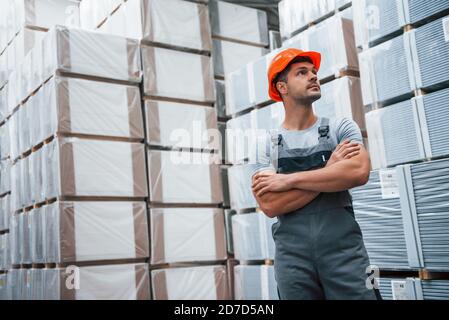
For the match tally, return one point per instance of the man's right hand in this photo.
(345, 150)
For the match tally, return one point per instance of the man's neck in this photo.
(298, 116)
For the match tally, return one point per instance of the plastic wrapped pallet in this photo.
(32, 285)
(378, 211)
(269, 117)
(95, 231)
(433, 118)
(42, 14)
(255, 283)
(113, 282)
(174, 23)
(3, 102)
(235, 22)
(25, 233)
(194, 283)
(394, 135)
(430, 46)
(173, 177)
(248, 86)
(5, 211)
(171, 124)
(230, 56)
(379, 86)
(177, 23)
(177, 75)
(240, 191)
(434, 289)
(76, 106)
(252, 239)
(240, 137)
(427, 188)
(295, 15)
(16, 284)
(342, 98)
(91, 54)
(4, 292)
(187, 235)
(18, 50)
(93, 12)
(376, 19)
(5, 174)
(79, 167)
(334, 39)
(417, 11)
(220, 104)
(4, 252)
(228, 222)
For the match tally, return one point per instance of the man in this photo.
(302, 178)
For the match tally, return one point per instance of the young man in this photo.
(302, 178)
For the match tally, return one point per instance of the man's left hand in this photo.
(264, 183)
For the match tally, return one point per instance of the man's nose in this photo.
(313, 76)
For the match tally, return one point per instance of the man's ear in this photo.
(282, 87)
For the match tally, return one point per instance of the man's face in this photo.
(302, 83)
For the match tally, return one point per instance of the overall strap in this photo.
(275, 142)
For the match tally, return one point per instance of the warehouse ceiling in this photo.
(270, 6)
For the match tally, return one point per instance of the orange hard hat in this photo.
(282, 60)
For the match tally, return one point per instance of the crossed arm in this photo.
(278, 194)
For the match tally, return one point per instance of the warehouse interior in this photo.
(128, 131)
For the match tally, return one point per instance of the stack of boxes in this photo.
(254, 115)
(404, 94)
(187, 229)
(78, 167)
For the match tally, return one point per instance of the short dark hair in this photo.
(282, 76)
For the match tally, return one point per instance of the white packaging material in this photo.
(94, 231)
(194, 283)
(171, 124)
(187, 235)
(174, 175)
(236, 22)
(252, 237)
(177, 75)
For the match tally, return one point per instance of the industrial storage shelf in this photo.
(177, 100)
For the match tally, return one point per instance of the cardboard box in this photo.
(80, 167)
(171, 124)
(194, 283)
(109, 282)
(177, 75)
(173, 178)
(187, 235)
(235, 22)
(94, 231)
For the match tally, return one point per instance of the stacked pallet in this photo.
(187, 230)
(77, 170)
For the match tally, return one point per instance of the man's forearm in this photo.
(341, 176)
(275, 204)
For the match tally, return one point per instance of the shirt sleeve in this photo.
(263, 161)
(348, 129)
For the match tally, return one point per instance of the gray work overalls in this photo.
(320, 252)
